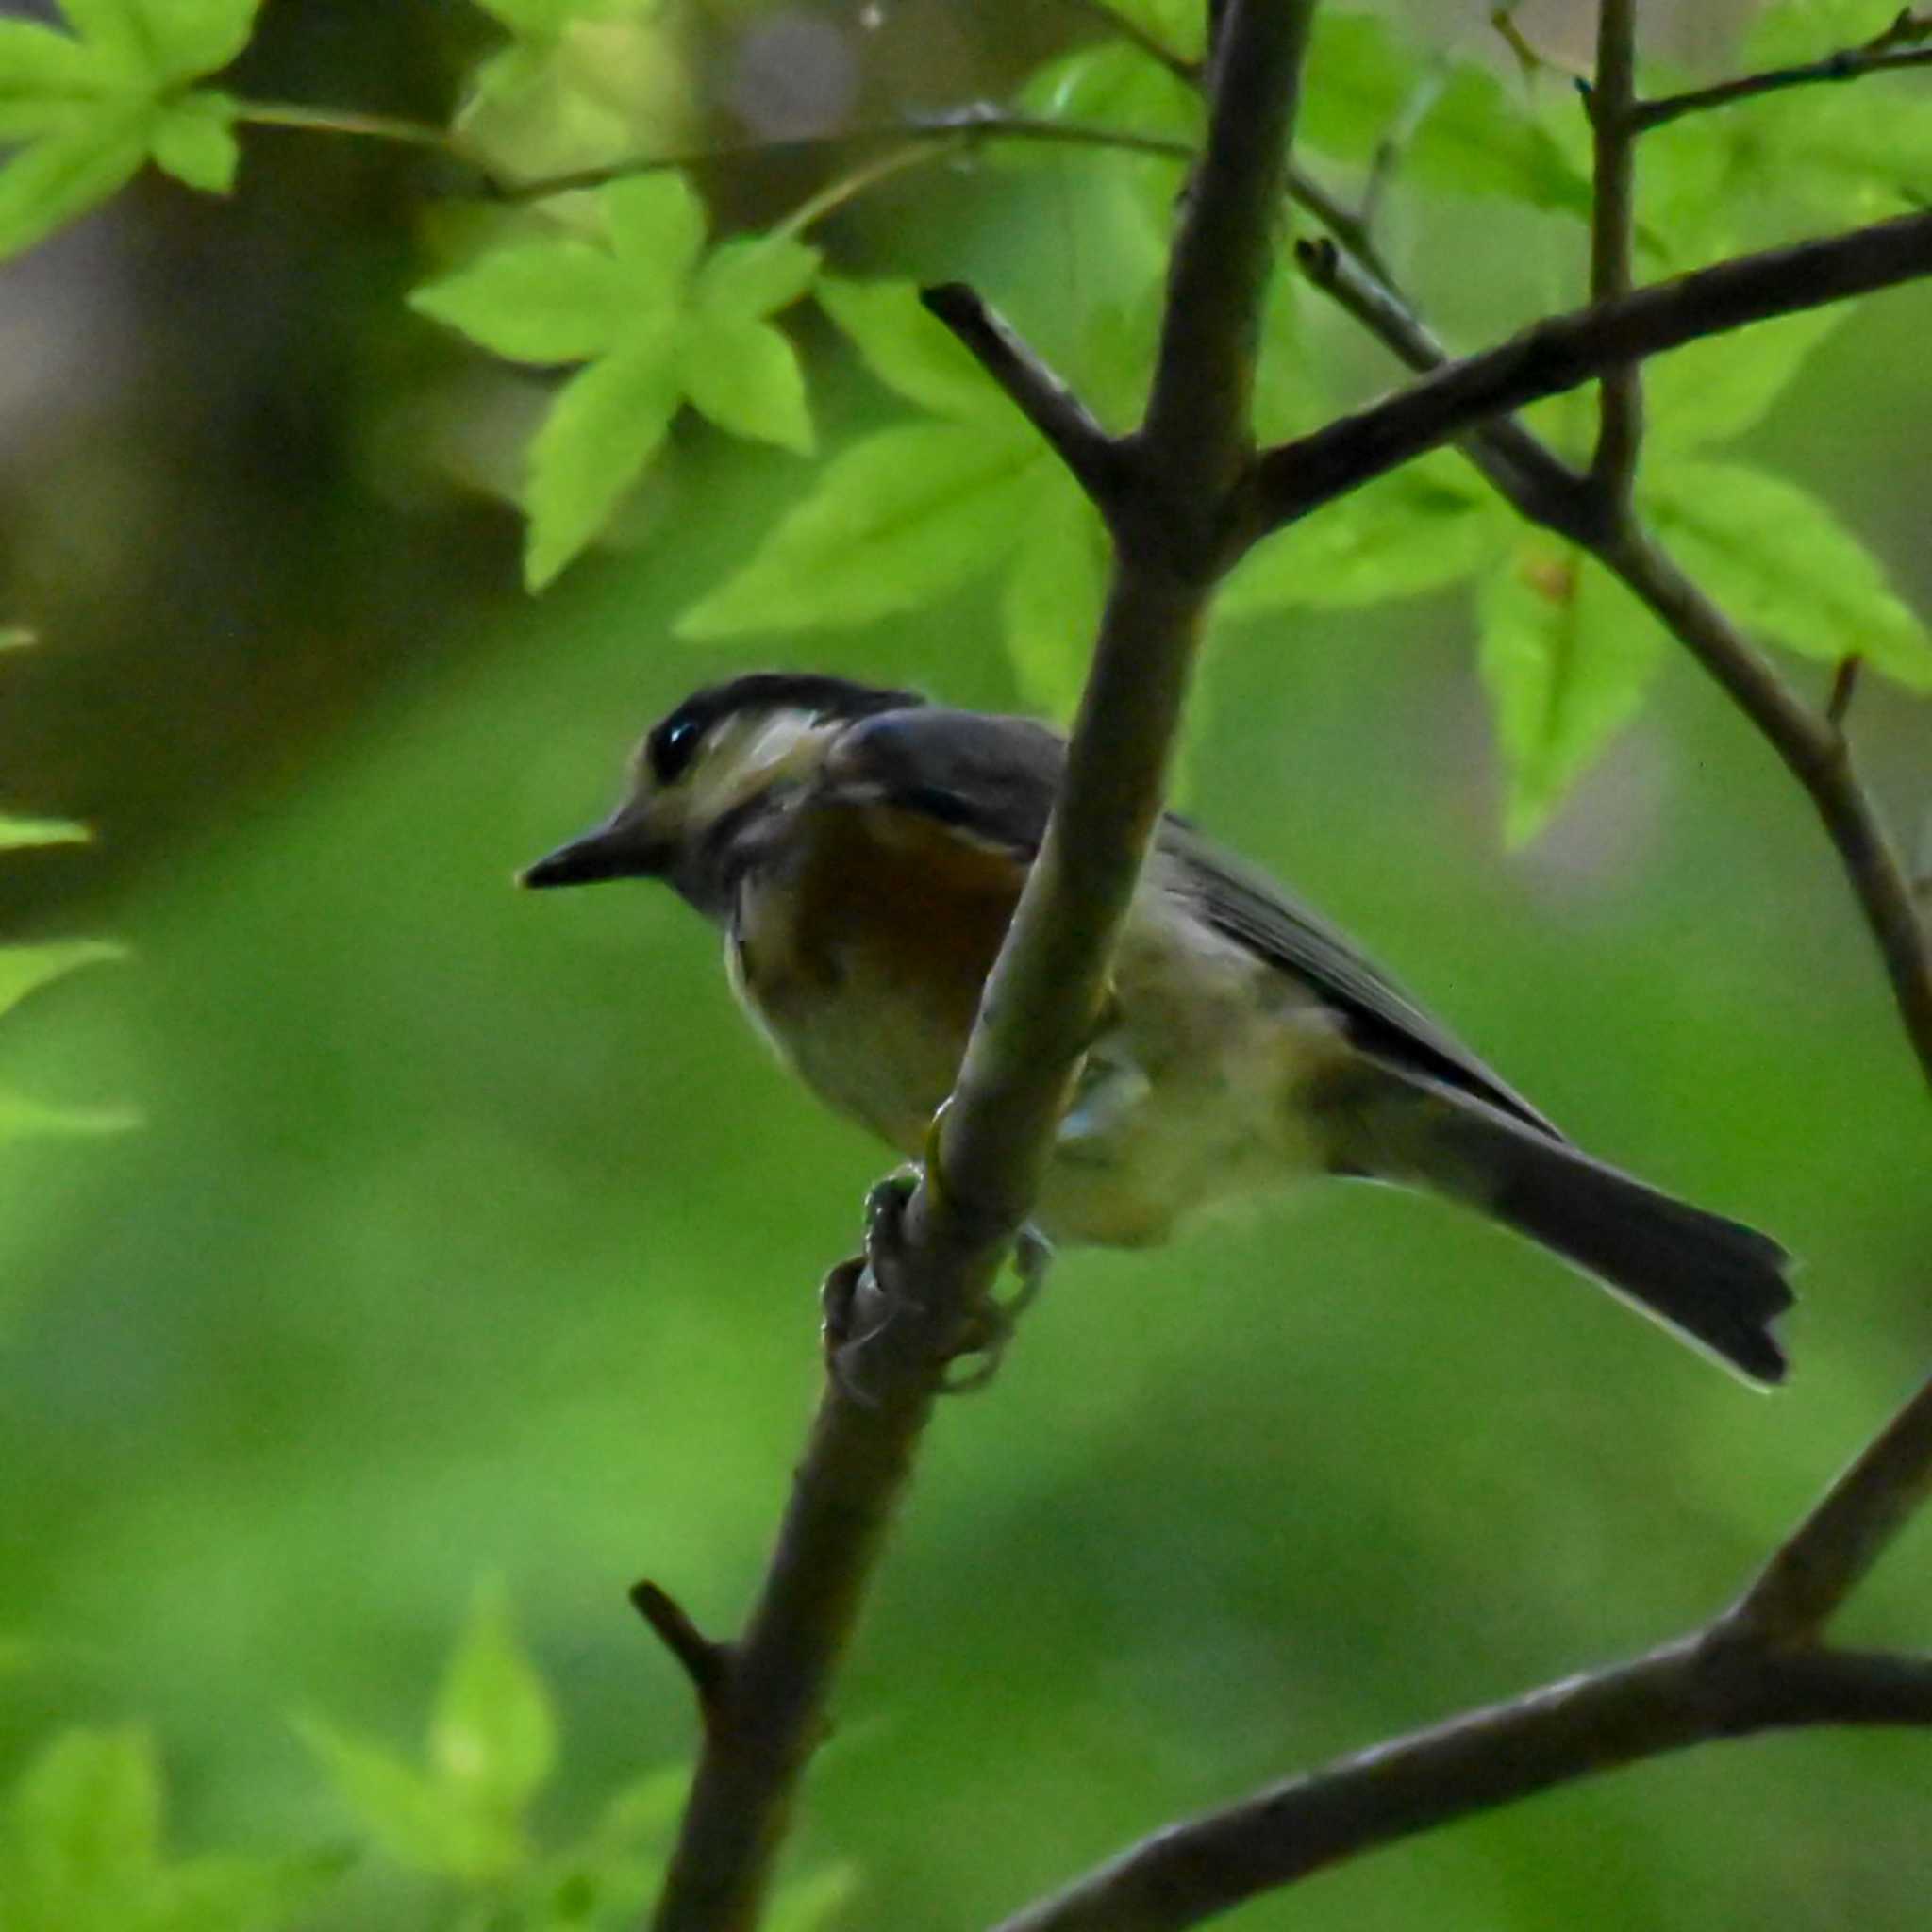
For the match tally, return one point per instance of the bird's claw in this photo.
(989, 1328)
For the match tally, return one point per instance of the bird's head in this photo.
(710, 780)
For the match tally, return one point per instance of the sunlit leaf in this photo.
(1113, 86)
(1718, 388)
(32, 1119)
(648, 1804)
(892, 524)
(16, 833)
(552, 301)
(1779, 561)
(657, 228)
(909, 352)
(544, 19)
(1178, 26)
(194, 140)
(1361, 74)
(1567, 655)
(807, 1905)
(493, 1733)
(48, 80)
(1858, 154)
(744, 375)
(187, 37)
(64, 174)
(240, 1894)
(1789, 32)
(1403, 535)
(605, 426)
(1478, 140)
(418, 1821)
(116, 36)
(1052, 593)
(27, 969)
(85, 1820)
(755, 275)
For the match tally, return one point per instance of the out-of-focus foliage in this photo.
(474, 1235)
(83, 1846)
(26, 969)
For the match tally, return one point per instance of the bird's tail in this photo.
(1715, 1281)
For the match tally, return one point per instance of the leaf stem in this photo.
(391, 128)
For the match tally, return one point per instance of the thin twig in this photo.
(946, 133)
(1523, 468)
(1832, 1551)
(936, 1263)
(1896, 47)
(1563, 351)
(1688, 1692)
(1620, 420)
(1048, 404)
(1123, 27)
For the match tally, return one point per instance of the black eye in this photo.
(673, 746)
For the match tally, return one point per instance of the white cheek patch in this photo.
(748, 755)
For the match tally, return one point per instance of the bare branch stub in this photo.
(1563, 351)
(1845, 687)
(1046, 402)
(705, 1663)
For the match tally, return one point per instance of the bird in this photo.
(862, 850)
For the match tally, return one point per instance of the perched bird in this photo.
(863, 850)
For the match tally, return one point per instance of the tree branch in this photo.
(930, 1268)
(1896, 47)
(1547, 491)
(1749, 1669)
(1563, 351)
(1686, 1693)
(1620, 425)
(1832, 1551)
(1060, 417)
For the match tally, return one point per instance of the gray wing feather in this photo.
(995, 778)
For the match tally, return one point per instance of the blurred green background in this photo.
(471, 1234)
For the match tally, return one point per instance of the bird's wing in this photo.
(994, 779)
(1380, 1018)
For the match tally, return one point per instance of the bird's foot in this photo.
(855, 1303)
(989, 1328)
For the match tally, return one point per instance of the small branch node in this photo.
(707, 1664)
(1046, 402)
(1845, 687)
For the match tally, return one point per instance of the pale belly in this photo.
(1190, 1101)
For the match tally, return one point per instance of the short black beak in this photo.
(615, 850)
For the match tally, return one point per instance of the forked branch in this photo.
(1755, 1668)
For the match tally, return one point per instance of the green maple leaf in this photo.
(657, 322)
